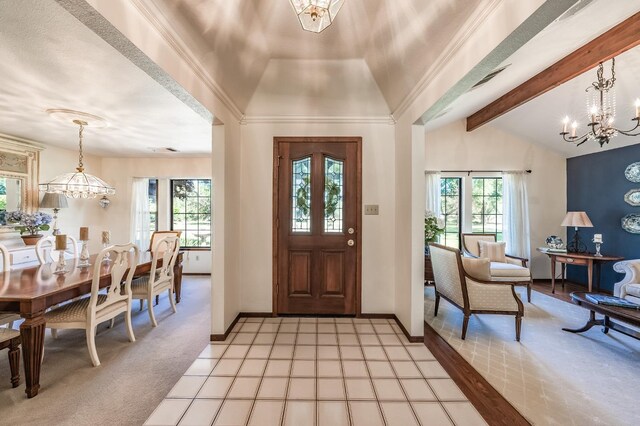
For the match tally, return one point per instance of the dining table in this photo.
(30, 291)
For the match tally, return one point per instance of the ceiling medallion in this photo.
(601, 108)
(316, 15)
(78, 184)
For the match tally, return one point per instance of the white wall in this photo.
(120, 173)
(56, 161)
(488, 148)
(256, 217)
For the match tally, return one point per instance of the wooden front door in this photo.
(317, 200)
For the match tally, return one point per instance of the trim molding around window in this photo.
(191, 212)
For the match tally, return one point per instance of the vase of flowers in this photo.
(433, 228)
(30, 225)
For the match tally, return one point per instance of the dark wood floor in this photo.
(544, 287)
(491, 405)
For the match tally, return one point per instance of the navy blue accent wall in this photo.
(596, 185)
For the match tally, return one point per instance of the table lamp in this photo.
(577, 220)
(52, 200)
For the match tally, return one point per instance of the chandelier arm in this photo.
(574, 138)
(630, 131)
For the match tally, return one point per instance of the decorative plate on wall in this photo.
(632, 173)
(633, 197)
(631, 223)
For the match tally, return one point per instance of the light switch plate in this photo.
(371, 209)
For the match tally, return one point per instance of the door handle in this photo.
(351, 243)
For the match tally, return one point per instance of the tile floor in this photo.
(315, 371)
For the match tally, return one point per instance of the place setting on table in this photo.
(46, 295)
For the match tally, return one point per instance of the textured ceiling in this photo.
(235, 40)
(51, 60)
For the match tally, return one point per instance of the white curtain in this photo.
(432, 185)
(140, 216)
(516, 214)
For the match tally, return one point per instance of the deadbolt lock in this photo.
(351, 231)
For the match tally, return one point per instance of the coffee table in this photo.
(626, 315)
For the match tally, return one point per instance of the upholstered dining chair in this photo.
(513, 269)
(10, 339)
(46, 245)
(477, 294)
(88, 312)
(160, 278)
(157, 236)
(7, 318)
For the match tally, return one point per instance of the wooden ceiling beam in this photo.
(617, 40)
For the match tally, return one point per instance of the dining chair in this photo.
(87, 313)
(160, 278)
(157, 236)
(45, 249)
(7, 318)
(10, 339)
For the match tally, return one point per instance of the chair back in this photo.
(123, 258)
(6, 258)
(166, 250)
(470, 242)
(448, 274)
(45, 249)
(159, 235)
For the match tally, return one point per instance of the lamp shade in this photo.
(577, 219)
(52, 200)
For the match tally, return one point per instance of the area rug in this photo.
(552, 377)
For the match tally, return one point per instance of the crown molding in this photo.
(184, 52)
(314, 119)
(21, 142)
(468, 29)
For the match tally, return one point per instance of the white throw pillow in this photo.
(479, 269)
(495, 252)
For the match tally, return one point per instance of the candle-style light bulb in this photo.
(594, 113)
(574, 128)
(638, 108)
(565, 124)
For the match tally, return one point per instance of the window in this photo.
(191, 211)
(450, 197)
(153, 205)
(486, 207)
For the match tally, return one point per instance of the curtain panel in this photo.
(515, 202)
(140, 214)
(432, 185)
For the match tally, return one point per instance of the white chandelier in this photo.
(78, 184)
(601, 109)
(316, 15)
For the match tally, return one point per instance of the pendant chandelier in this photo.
(601, 110)
(78, 184)
(316, 15)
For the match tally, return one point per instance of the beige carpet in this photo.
(552, 377)
(133, 378)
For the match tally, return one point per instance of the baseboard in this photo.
(196, 274)
(223, 337)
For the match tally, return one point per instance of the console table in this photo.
(590, 261)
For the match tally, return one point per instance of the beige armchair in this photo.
(515, 270)
(629, 287)
(469, 294)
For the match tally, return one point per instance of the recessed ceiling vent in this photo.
(489, 77)
(165, 150)
(577, 7)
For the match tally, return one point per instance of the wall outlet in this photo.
(371, 209)
(197, 258)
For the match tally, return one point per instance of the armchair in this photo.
(629, 287)
(515, 270)
(469, 294)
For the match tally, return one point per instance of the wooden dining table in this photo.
(31, 290)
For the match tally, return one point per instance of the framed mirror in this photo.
(19, 165)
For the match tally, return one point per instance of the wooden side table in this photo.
(590, 261)
(428, 271)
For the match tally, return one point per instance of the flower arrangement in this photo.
(31, 223)
(433, 227)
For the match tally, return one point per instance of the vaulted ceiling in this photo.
(236, 40)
